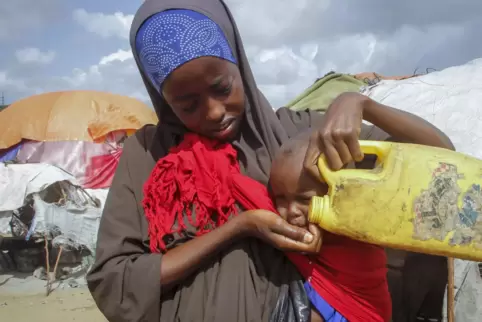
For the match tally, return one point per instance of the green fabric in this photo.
(319, 96)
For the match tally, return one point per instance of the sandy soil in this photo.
(22, 299)
(71, 305)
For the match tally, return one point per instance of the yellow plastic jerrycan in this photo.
(417, 198)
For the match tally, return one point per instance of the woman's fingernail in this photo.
(308, 238)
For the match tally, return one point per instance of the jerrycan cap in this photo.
(319, 206)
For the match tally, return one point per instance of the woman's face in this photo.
(207, 95)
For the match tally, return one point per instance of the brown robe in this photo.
(241, 284)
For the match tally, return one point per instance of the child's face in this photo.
(293, 188)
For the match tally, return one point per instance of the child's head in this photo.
(291, 186)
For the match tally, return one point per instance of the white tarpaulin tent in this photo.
(450, 99)
(19, 180)
(75, 220)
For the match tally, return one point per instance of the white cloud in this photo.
(33, 55)
(288, 52)
(104, 25)
(8, 83)
(120, 55)
(282, 72)
(270, 22)
(116, 73)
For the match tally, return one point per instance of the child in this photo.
(347, 280)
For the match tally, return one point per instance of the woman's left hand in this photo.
(338, 136)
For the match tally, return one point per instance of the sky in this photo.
(51, 45)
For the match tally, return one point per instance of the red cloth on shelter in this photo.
(101, 169)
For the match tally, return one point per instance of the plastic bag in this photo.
(293, 304)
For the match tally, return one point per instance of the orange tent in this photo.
(71, 116)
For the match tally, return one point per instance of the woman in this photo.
(196, 72)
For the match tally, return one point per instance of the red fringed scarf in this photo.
(199, 180)
(204, 176)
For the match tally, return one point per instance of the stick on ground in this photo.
(47, 264)
(57, 262)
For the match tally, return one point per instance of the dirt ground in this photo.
(24, 300)
(71, 305)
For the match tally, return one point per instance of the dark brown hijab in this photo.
(241, 283)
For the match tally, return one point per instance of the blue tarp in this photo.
(10, 153)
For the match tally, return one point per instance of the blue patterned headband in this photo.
(172, 38)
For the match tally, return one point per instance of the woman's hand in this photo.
(338, 136)
(277, 232)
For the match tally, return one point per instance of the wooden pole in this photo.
(57, 263)
(47, 264)
(450, 290)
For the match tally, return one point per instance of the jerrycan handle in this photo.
(379, 148)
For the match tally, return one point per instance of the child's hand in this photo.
(276, 231)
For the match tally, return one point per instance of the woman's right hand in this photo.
(277, 232)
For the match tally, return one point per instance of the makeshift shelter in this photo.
(58, 155)
(449, 99)
(79, 131)
(320, 95)
(71, 116)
